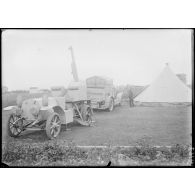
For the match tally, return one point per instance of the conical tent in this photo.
(166, 88)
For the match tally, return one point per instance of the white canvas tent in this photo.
(166, 88)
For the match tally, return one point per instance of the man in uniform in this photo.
(130, 96)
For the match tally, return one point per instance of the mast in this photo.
(73, 66)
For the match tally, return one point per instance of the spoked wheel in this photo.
(87, 114)
(14, 125)
(111, 105)
(53, 126)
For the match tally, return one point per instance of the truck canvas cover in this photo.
(98, 82)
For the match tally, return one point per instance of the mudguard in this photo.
(9, 108)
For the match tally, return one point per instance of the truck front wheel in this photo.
(53, 126)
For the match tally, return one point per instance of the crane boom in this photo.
(73, 66)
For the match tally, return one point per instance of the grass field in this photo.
(157, 126)
(125, 126)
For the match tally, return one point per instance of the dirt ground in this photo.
(162, 126)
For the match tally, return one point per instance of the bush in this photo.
(33, 154)
(15, 152)
(53, 153)
(180, 150)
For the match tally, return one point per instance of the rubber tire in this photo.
(111, 102)
(48, 125)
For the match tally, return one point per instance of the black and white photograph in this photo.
(97, 97)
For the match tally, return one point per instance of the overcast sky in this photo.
(40, 58)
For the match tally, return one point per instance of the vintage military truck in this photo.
(49, 113)
(102, 93)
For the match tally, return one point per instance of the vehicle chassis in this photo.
(50, 118)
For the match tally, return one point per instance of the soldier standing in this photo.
(130, 96)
